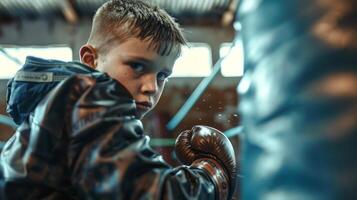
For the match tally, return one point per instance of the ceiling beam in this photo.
(229, 14)
(69, 12)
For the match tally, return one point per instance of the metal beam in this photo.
(69, 12)
(12, 58)
(196, 94)
(229, 15)
(170, 142)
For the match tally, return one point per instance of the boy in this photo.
(138, 49)
(84, 140)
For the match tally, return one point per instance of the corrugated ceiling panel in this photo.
(175, 7)
(24, 8)
(178, 8)
(88, 6)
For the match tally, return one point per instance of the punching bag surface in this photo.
(298, 99)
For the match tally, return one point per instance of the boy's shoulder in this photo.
(36, 78)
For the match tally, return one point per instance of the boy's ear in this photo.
(88, 55)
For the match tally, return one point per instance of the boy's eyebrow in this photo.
(145, 60)
(148, 62)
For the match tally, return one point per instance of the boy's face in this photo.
(138, 67)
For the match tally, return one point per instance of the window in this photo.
(12, 58)
(195, 61)
(233, 64)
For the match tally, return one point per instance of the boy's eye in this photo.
(137, 67)
(162, 76)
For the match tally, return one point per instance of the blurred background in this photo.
(56, 29)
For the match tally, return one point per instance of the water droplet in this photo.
(204, 100)
(219, 108)
(209, 107)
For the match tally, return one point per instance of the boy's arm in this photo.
(85, 142)
(111, 158)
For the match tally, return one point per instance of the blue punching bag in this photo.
(298, 99)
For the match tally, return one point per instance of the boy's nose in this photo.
(149, 85)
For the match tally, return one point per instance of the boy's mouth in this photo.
(144, 105)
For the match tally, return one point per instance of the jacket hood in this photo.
(35, 80)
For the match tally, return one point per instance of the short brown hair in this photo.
(118, 20)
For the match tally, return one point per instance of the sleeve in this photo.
(84, 142)
(110, 157)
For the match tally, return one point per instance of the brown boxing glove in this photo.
(209, 149)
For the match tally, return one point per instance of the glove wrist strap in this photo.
(216, 173)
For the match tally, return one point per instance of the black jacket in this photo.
(83, 141)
